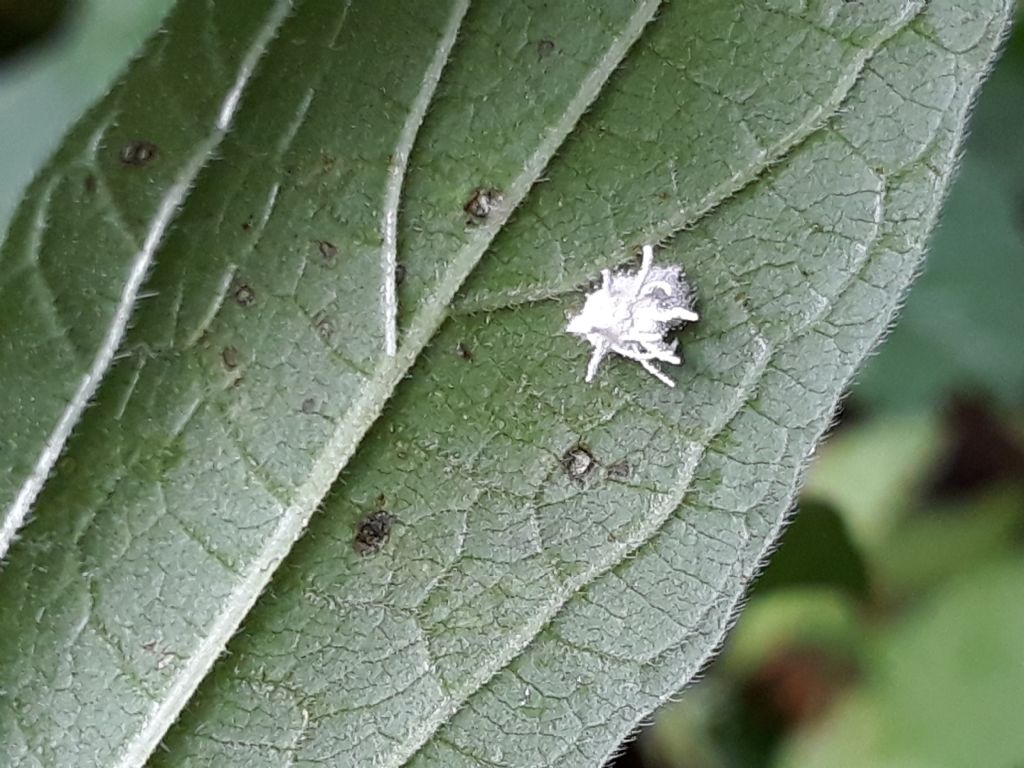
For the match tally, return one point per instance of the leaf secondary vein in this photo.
(814, 121)
(814, 124)
(396, 176)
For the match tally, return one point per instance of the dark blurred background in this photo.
(888, 630)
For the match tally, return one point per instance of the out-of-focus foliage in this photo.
(942, 687)
(24, 22)
(921, 668)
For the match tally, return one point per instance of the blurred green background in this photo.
(888, 629)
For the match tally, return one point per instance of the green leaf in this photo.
(818, 551)
(517, 616)
(945, 539)
(514, 615)
(268, 180)
(873, 472)
(960, 326)
(42, 94)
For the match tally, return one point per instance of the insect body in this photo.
(631, 313)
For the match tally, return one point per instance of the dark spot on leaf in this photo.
(309, 405)
(373, 532)
(328, 250)
(244, 295)
(247, 224)
(230, 357)
(463, 351)
(323, 326)
(578, 463)
(620, 470)
(399, 274)
(137, 154)
(545, 48)
(482, 202)
(89, 183)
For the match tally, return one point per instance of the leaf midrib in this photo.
(373, 397)
(166, 213)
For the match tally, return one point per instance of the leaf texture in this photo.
(65, 306)
(522, 617)
(279, 269)
(260, 357)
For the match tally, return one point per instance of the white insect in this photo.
(631, 313)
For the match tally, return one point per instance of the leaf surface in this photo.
(260, 354)
(963, 316)
(515, 615)
(116, 184)
(518, 616)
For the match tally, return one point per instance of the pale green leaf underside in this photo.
(65, 306)
(514, 617)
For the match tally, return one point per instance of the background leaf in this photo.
(51, 84)
(958, 661)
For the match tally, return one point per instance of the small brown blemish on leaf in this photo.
(230, 357)
(620, 470)
(137, 154)
(244, 295)
(578, 463)
(399, 274)
(328, 250)
(463, 351)
(323, 325)
(89, 183)
(309, 405)
(545, 48)
(373, 532)
(482, 202)
(247, 224)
